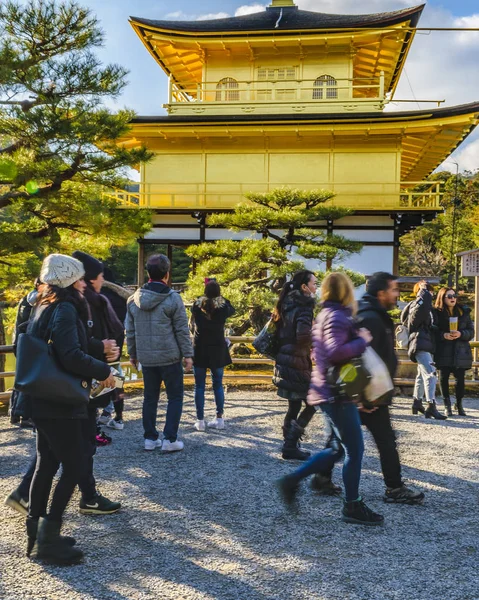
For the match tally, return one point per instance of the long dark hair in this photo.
(51, 294)
(212, 291)
(300, 278)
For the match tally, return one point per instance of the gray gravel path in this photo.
(206, 523)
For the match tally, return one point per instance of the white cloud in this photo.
(179, 15)
(468, 38)
(220, 15)
(249, 9)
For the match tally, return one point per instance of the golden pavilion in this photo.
(287, 97)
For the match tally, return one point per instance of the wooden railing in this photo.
(409, 195)
(232, 91)
(131, 374)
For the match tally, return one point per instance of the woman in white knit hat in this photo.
(61, 315)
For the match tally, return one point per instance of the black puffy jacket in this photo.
(210, 346)
(70, 344)
(454, 353)
(418, 317)
(292, 370)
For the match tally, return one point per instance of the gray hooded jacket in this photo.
(157, 331)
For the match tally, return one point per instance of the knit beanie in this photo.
(61, 270)
(93, 267)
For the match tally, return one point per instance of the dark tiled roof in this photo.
(447, 111)
(292, 19)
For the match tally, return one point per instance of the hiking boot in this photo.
(403, 495)
(417, 406)
(323, 485)
(50, 547)
(99, 505)
(32, 529)
(292, 448)
(459, 408)
(447, 407)
(18, 503)
(433, 413)
(288, 487)
(358, 513)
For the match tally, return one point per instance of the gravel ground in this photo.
(206, 523)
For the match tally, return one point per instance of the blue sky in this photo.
(440, 65)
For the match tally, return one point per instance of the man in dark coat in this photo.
(382, 293)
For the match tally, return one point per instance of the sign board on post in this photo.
(470, 268)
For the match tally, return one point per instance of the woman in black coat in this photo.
(293, 316)
(60, 315)
(208, 317)
(453, 352)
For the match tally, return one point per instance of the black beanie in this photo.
(93, 267)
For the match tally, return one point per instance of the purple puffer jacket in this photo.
(335, 342)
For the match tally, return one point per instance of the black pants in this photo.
(293, 414)
(86, 479)
(379, 424)
(459, 374)
(59, 441)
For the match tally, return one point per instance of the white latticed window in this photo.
(325, 87)
(227, 90)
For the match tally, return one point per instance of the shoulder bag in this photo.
(39, 374)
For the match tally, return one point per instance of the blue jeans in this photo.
(426, 379)
(343, 417)
(200, 384)
(172, 376)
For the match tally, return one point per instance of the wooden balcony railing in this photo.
(408, 195)
(232, 91)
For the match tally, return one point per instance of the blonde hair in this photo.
(337, 287)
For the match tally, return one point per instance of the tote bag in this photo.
(266, 342)
(39, 374)
(380, 385)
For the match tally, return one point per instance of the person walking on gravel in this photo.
(158, 338)
(293, 316)
(382, 293)
(208, 317)
(337, 340)
(418, 317)
(453, 354)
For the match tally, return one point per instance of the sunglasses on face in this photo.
(451, 296)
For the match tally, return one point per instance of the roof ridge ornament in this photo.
(281, 3)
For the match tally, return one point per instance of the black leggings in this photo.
(459, 374)
(59, 441)
(294, 409)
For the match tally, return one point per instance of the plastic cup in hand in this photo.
(453, 322)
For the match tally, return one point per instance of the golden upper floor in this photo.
(282, 60)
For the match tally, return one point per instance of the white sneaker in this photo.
(172, 446)
(153, 444)
(114, 424)
(218, 423)
(104, 419)
(200, 426)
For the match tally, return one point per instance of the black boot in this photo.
(51, 547)
(288, 487)
(322, 484)
(291, 447)
(447, 407)
(459, 408)
(417, 406)
(358, 513)
(32, 528)
(433, 413)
